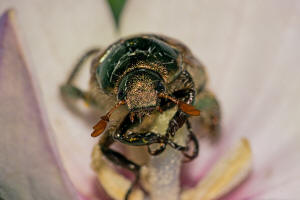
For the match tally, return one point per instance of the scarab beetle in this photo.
(140, 76)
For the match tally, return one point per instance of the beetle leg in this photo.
(176, 123)
(181, 88)
(120, 160)
(157, 151)
(139, 139)
(180, 117)
(205, 101)
(209, 120)
(184, 149)
(69, 89)
(189, 61)
(184, 81)
(192, 138)
(124, 135)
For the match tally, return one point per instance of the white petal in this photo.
(250, 49)
(29, 164)
(56, 33)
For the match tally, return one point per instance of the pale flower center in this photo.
(160, 174)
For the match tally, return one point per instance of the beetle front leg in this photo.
(184, 149)
(120, 160)
(157, 151)
(192, 138)
(182, 89)
(178, 120)
(123, 135)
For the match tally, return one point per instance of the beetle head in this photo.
(139, 89)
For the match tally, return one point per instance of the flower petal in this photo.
(268, 99)
(251, 52)
(54, 41)
(29, 164)
(226, 174)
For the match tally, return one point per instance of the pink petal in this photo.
(53, 43)
(259, 90)
(268, 100)
(251, 51)
(29, 164)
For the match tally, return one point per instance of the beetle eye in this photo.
(160, 87)
(121, 95)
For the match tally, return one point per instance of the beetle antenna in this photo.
(187, 108)
(101, 125)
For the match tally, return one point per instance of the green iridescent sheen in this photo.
(128, 53)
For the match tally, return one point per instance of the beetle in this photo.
(141, 75)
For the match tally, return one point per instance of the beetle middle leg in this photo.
(69, 89)
(209, 120)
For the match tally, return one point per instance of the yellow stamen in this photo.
(226, 174)
(113, 183)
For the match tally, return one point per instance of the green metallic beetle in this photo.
(142, 75)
